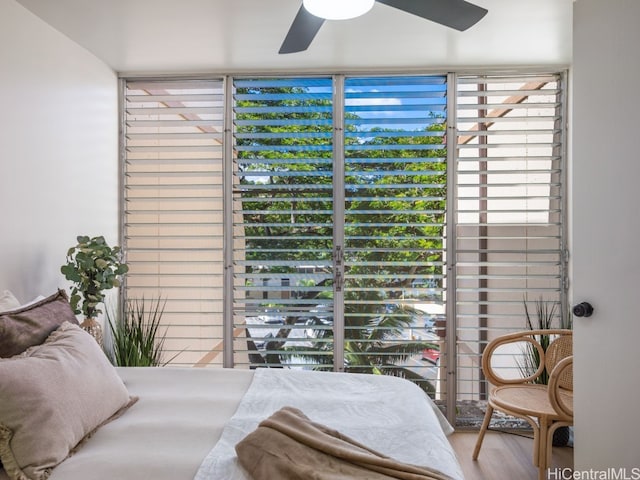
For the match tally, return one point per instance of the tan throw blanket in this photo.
(289, 446)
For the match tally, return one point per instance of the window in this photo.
(395, 186)
(510, 239)
(384, 224)
(173, 209)
(312, 246)
(283, 220)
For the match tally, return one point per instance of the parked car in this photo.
(431, 355)
(272, 317)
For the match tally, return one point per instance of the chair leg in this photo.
(483, 430)
(548, 454)
(543, 437)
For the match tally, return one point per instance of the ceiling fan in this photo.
(457, 14)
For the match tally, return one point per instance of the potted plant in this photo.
(93, 267)
(136, 339)
(545, 314)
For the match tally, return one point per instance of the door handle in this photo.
(584, 309)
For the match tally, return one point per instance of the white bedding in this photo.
(390, 415)
(182, 412)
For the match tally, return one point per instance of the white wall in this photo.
(606, 228)
(58, 151)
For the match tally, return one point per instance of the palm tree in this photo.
(373, 341)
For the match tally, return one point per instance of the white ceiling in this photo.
(245, 35)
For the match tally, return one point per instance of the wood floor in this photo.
(503, 456)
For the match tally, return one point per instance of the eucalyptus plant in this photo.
(93, 267)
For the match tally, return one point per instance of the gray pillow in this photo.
(51, 397)
(31, 325)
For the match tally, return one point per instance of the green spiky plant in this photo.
(136, 336)
(546, 312)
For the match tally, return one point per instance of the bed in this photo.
(183, 423)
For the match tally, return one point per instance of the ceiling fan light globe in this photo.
(338, 9)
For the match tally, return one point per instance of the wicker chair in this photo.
(544, 407)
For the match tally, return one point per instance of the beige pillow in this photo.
(8, 301)
(31, 324)
(51, 397)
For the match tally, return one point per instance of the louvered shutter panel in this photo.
(510, 230)
(173, 210)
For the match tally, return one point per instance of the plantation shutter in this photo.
(510, 237)
(283, 226)
(173, 210)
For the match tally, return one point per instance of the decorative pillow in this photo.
(8, 301)
(31, 325)
(51, 397)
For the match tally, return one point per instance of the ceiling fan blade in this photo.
(457, 14)
(302, 31)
